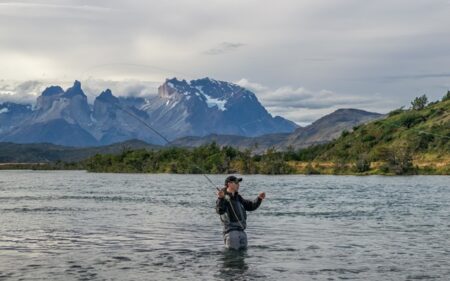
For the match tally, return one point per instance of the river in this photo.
(74, 225)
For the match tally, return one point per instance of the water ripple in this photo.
(81, 226)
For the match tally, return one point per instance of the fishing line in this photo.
(159, 134)
(142, 121)
(168, 142)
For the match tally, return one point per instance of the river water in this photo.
(74, 225)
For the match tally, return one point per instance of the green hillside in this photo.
(401, 143)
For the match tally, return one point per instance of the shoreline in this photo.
(299, 168)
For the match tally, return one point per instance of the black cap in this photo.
(232, 179)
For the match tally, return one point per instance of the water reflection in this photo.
(232, 265)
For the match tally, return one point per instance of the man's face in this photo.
(233, 186)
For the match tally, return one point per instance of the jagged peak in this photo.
(220, 89)
(214, 81)
(208, 87)
(52, 91)
(76, 84)
(207, 80)
(175, 82)
(75, 90)
(174, 88)
(201, 81)
(107, 96)
(106, 93)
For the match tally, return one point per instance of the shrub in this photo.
(362, 164)
(409, 119)
(310, 170)
(419, 102)
(368, 138)
(398, 160)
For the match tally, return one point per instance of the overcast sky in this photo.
(303, 58)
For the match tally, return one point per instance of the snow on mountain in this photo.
(181, 108)
(204, 106)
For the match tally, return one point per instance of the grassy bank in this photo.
(375, 168)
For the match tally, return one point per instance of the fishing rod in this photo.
(160, 135)
(226, 197)
(153, 129)
(99, 66)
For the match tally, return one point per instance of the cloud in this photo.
(417, 76)
(304, 106)
(133, 88)
(319, 51)
(20, 92)
(27, 92)
(252, 85)
(301, 97)
(318, 59)
(304, 98)
(84, 8)
(224, 47)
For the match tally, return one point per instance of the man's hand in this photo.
(262, 195)
(220, 194)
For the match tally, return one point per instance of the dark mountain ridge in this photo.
(196, 108)
(321, 131)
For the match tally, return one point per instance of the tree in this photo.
(246, 165)
(362, 163)
(446, 97)
(410, 119)
(419, 102)
(273, 163)
(398, 160)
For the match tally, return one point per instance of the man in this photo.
(232, 210)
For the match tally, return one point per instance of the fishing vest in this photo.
(236, 220)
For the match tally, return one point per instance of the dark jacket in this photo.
(235, 220)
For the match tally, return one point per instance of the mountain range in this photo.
(182, 113)
(196, 108)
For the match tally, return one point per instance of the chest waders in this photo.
(235, 237)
